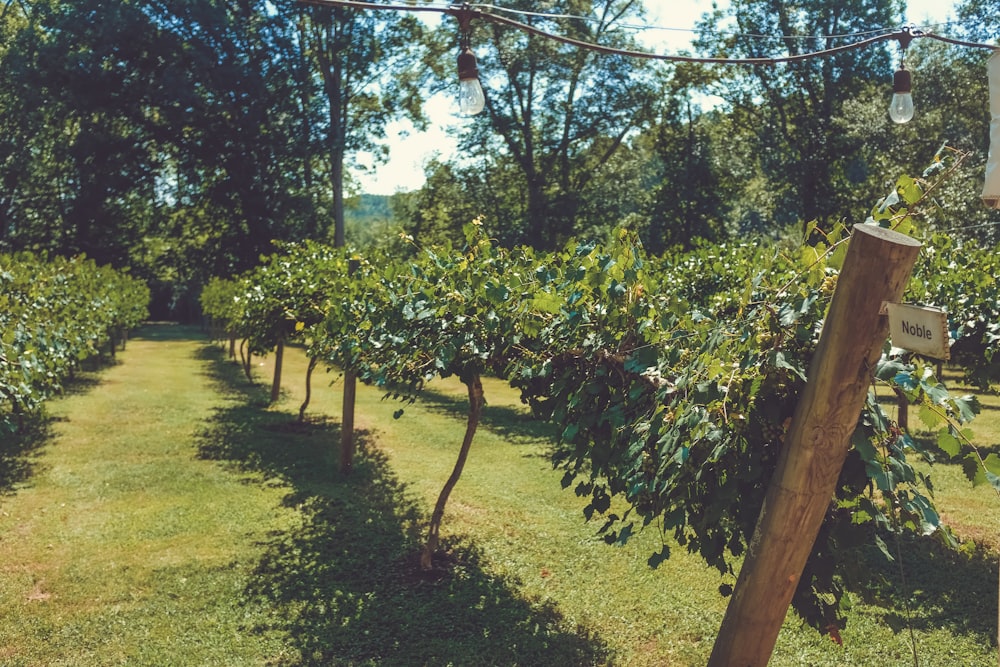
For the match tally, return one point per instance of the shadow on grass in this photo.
(956, 590)
(343, 585)
(512, 424)
(19, 453)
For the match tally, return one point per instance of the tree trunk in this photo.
(245, 359)
(538, 218)
(337, 182)
(313, 361)
(876, 269)
(232, 346)
(476, 402)
(279, 357)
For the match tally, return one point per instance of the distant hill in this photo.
(368, 208)
(367, 217)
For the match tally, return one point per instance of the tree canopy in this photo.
(182, 138)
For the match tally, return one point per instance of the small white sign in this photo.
(919, 329)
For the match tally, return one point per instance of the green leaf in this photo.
(910, 190)
(930, 417)
(778, 360)
(936, 392)
(967, 406)
(570, 432)
(547, 302)
(888, 369)
(992, 464)
(880, 543)
(948, 443)
(974, 470)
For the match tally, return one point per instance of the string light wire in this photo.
(903, 35)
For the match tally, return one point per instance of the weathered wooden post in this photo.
(347, 412)
(876, 270)
(347, 423)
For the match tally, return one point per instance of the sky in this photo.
(409, 151)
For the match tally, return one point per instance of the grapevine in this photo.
(672, 379)
(54, 314)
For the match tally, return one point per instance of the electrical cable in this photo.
(968, 227)
(640, 27)
(472, 11)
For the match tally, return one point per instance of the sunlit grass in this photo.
(174, 518)
(510, 503)
(123, 547)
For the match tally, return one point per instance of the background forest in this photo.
(180, 139)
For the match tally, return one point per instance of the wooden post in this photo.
(876, 269)
(347, 423)
(903, 409)
(347, 412)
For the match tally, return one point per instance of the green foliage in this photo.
(782, 140)
(558, 115)
(672, 379)
(54, 314)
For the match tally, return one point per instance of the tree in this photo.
(786, 112)
(557, 113)
(163, 135)
(436, 213)
(368, 68)
(980, 19)
(458, 192)
(952, 117)
(240, 160)
(184, 137)
(75, 174)
(690, 201)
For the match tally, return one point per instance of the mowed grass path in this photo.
(172, 517)
(122, 547)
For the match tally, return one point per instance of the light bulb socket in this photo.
(901, 81)
(467, 65)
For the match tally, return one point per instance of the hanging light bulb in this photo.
(471, 99)
(901, 107)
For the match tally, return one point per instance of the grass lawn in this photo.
(168, 516)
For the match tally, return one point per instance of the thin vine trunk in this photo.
(279, 356)
(245, 359)
(476, 402)
(313, 362)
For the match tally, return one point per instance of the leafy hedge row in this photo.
(55, 313)
(672, 378)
